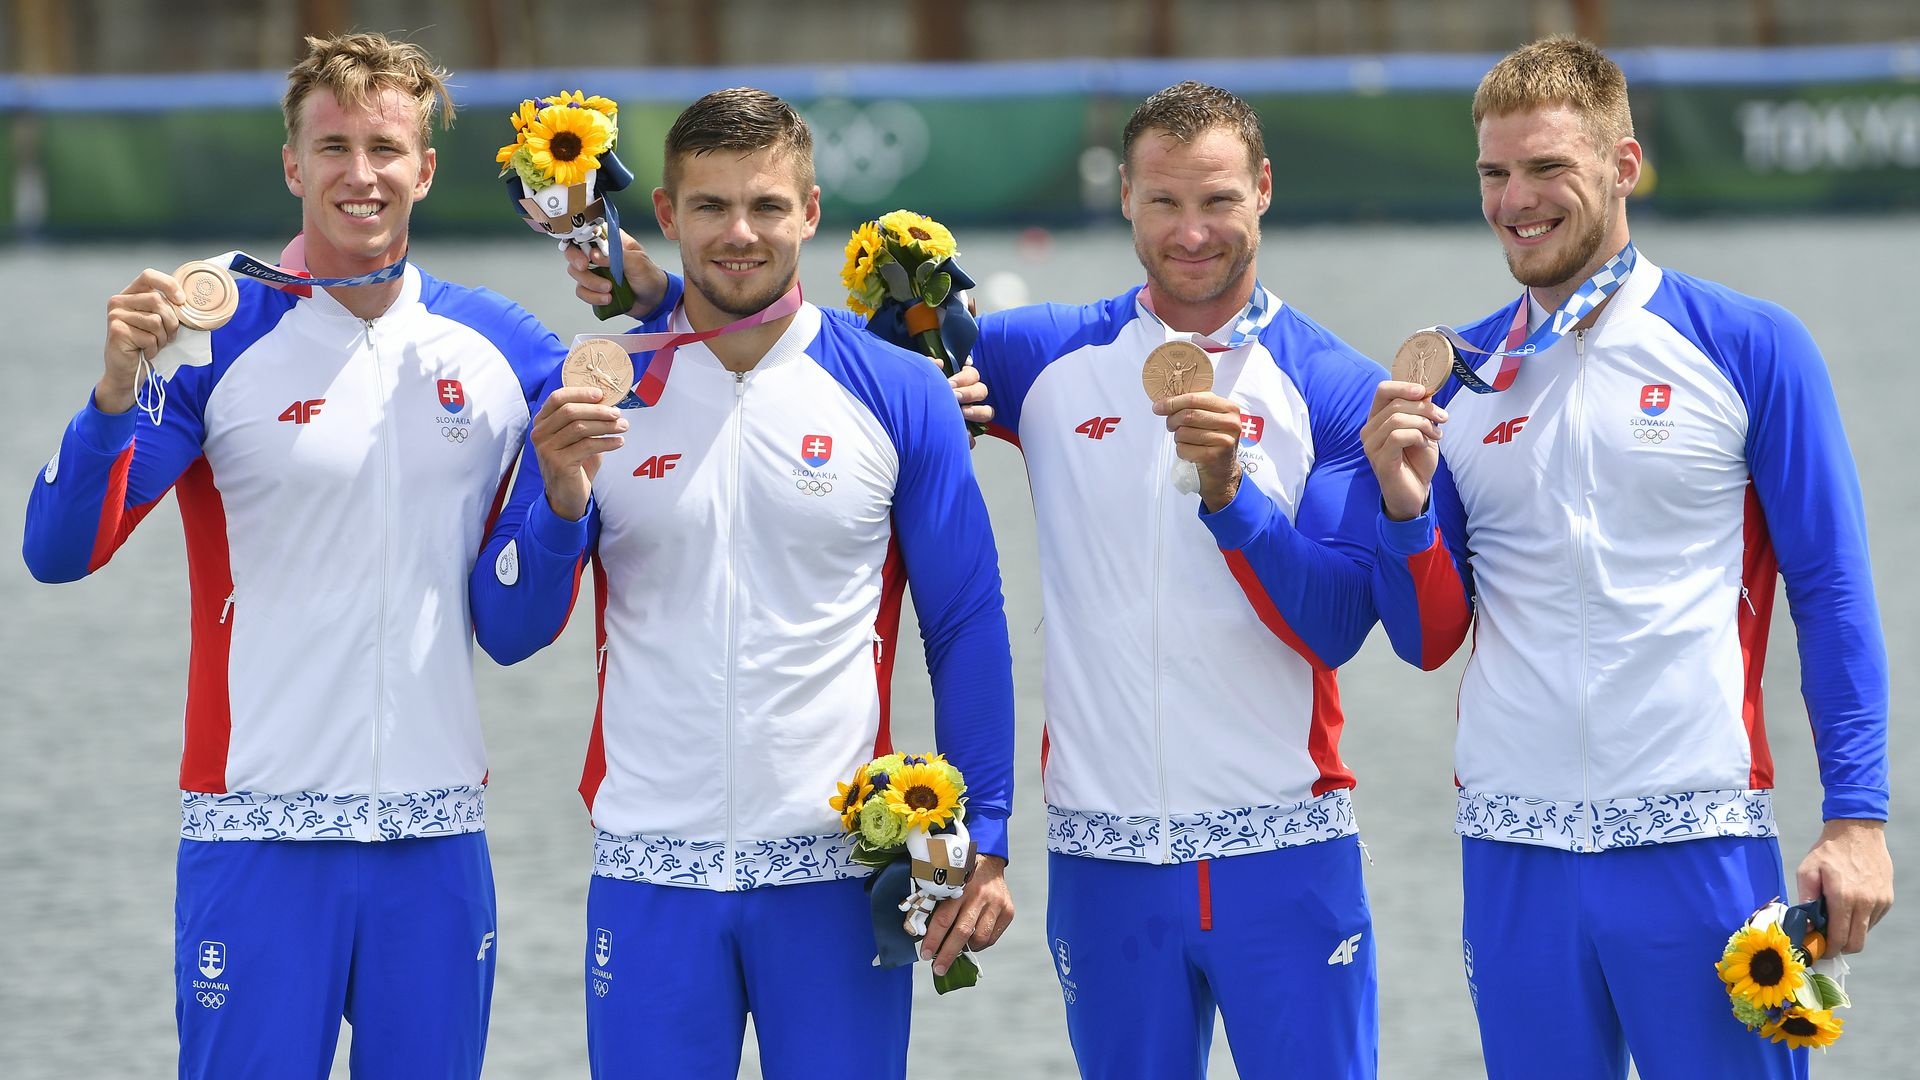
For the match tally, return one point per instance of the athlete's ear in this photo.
(1627, 160)
(1263, 188)
(290, 166)
(663, 213)
(813, 213)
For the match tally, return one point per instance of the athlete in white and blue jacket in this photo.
(1611, 523)
(750, 535)
(336, 458)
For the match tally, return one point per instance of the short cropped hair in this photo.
(356, 68)
(742, 119)
(1191, 109)
(1554, 71)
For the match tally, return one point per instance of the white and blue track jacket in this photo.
(1192, 709)
(335, 476)
(1612, 525)
(749, 543)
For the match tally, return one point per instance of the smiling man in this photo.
(335, 449)
(1609, 511)
(751, 533)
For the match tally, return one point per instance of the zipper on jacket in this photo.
(385, 444)
(226, 609)
(879, 648)
(600, 659)
(1746, 599)
(1164, 469)
(733, 623)
(1579, 491)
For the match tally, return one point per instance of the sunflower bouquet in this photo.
(907, 816)
(900, 273)
(560, 168)
(1781, 980)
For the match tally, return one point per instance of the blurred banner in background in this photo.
(1007, 142)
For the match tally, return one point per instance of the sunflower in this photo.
(850, 799)
(923, 795)
(1759, 966)
(861, 275)
(579, 100)
(1800, 1028)
(920, 232)
(566, 143)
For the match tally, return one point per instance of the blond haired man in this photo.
(1610, 506)
(335, 449)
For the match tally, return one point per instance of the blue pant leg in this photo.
(818, 1003)
(263, 937)
(1137, 1008)
(1537, 985)
(1662, 914)
(423, 959)
(1290, 957)
(665, 994)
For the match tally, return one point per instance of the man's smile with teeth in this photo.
(361, 209)
(1528, 232)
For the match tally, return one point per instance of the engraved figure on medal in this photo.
(1175, 368)
(1425, 358)
(602, 364)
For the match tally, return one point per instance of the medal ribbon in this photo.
(652, 381)
(299, 282)
(1253, 319)
(1518, 346)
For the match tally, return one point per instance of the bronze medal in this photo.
(1175, 368)
(1425, 358)
(212, 296)
(602, 364)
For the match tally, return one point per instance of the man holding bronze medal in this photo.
(1631, 457)
(1203, 852)
(751, 522)
(336, 439)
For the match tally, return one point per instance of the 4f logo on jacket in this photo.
(1505, 430)
(302, 412)
(657, 466)
(1099, 427)
(1344, 952)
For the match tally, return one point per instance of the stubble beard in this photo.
(1562, 270)
(1243, 258)
(735, 303)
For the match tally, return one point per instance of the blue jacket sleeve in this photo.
(1809, 490)
(1314, 570)
(1422, 580)
(109, 472)
(953, 570)
(524, 583)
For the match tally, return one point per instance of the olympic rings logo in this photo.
(210, 999)
(820, 488)
(455, 434)
(600, 987)
(1652, 435)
